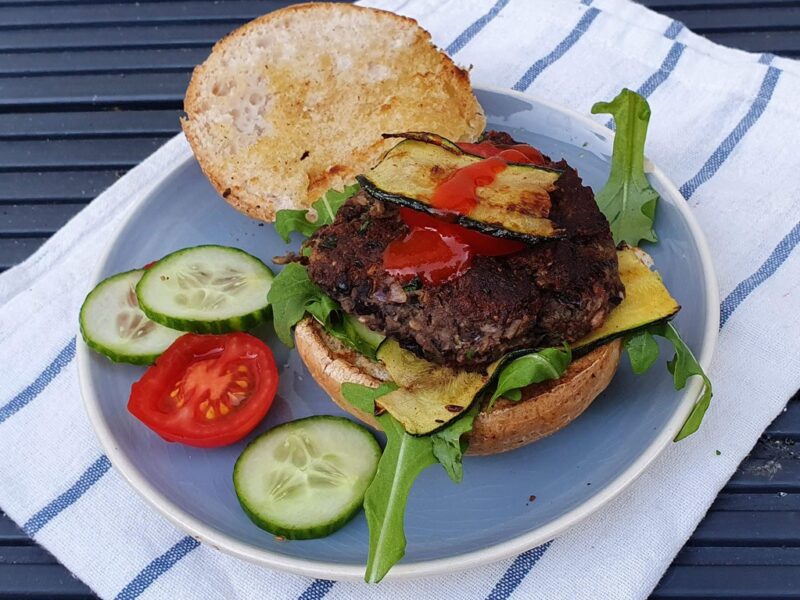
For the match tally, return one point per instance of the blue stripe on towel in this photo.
(664, 71)
(727, 146)
(474, 29)
(674, 29)
(668, 65)
(764, 272)
(317, 590)
(766, 58)
(560, 50)
(157, 568)
(517, 572)
(49, 373)
(89, 477)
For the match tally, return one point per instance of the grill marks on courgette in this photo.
(429, 396)
(515, 205)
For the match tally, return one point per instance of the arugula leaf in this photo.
(403, 459)
(535, 367)
(682, 366)
(287, 221)
(642, 351)
(627, 200)
(449, 448)
(363, 397)
(293, 294)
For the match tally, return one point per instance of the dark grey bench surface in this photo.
(88, 88)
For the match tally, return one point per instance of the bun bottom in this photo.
(544, 409)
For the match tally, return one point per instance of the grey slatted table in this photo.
(89, 88)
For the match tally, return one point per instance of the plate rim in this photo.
(459, 562)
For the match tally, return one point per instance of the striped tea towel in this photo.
(725, 128)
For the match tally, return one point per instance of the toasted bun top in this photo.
(295, 102)
(544, 409)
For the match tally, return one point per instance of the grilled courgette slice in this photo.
(428, 395)
(514, 206)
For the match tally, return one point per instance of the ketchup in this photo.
(437, 251)
(430, 254)
(457, 192)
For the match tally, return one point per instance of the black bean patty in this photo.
(549, 293)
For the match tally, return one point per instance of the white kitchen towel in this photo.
(725, 127)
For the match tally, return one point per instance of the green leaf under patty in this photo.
(293, 294)
(535, 367)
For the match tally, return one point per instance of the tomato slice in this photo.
(207, 390)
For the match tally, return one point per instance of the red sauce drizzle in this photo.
(437, 251)
(457, 193)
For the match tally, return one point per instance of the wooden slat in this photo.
(44, 581)
(787, 425)
(740, 582)
(667, 5)
(35, 220)
(58, 187)
(23, 3)
(735, 555)
(25, 555)
(777, 42)
(76, 154)
(770, 447)
(10, 534)
(742, 19)
(161, 89)
(101, 61)
(773, 501)
(748, 528)
(133, 36)
(13, 252)
(155, 13)
(760, 475)
(112, 123)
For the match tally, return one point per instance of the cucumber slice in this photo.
(206, 289)
(112, 323)
(306, 478)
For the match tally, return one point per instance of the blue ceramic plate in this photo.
(449, 527)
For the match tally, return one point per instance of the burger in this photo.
(456, 287)
(460, 299)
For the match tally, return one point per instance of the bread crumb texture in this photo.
(295, 102)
